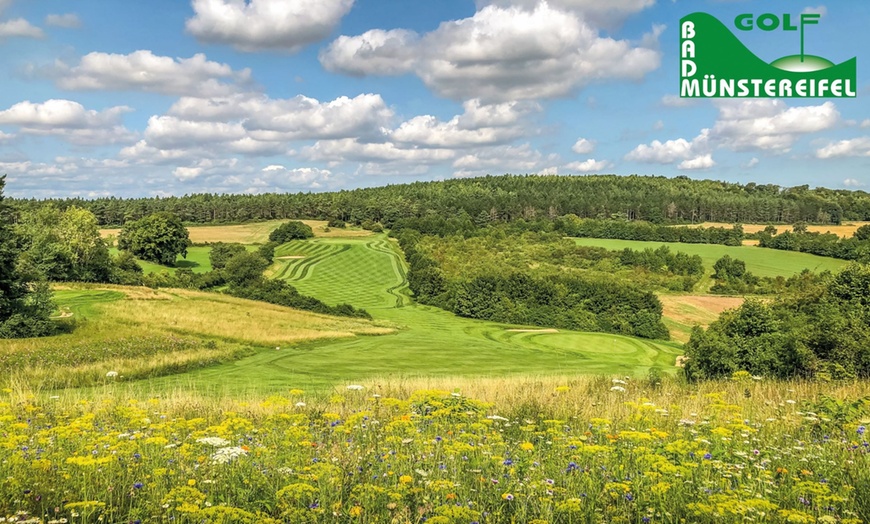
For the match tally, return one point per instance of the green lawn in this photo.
(370, 273)
(761, 261)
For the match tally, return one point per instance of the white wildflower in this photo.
(618, 388)
(355, 387)
(111, 374)
(213, 441)
(300, 404)
(228, 454)
(617, 381)
(496, 417)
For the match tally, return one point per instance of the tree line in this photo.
(504, 199)
(574, 226)
(856, 247)
(543, 280)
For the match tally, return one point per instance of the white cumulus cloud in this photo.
(603, 12)
(744, 125)
(19, 27)
(700, 162)
(68, 120)
(668, 152)
(855, 147)
(252, 25)
(583, 146)
(279, 178)
(500, 54)
(144, 71)
(375, 52)
(480, 124)
(769, 124)
(307, 118)
(588, 166)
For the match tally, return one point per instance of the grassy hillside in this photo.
(760, 261)
(140, 332)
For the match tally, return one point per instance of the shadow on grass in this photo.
(186, 264)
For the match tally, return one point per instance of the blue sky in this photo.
(183, 96)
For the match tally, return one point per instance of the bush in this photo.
(821, 330)
(337, 222)
(267, 251)
(221, 253)
(245, 269)
(292, 230)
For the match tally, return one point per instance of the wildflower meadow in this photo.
(589, 450)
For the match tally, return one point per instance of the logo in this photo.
(715, 64)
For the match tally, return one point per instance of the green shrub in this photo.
(292, 230)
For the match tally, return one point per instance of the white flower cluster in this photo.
(618, 385)
(228, 454)
(213, 441)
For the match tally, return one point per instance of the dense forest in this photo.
(507, 198)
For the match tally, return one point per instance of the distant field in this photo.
(683, 312)
(254, 233)
(760, 261)
(140, 332)
(846, 229)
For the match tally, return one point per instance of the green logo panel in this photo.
(715, 64)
